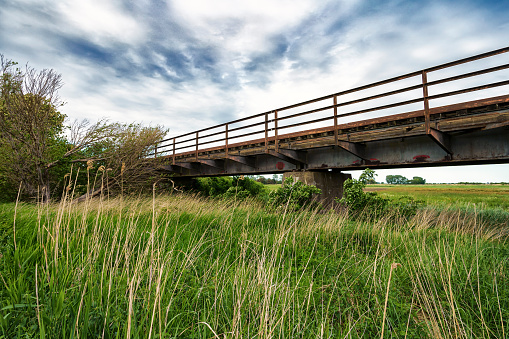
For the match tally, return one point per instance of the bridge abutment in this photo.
(331, 183)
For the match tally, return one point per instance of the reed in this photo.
(182, 266)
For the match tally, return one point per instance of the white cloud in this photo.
(101, 21)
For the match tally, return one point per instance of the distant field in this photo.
(273, 187)
(491, 196)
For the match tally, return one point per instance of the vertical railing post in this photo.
(266, 132)
(226, 140)
(427, 126)
(196, 152)
(335, 120)
(174, 151)
(155, 151)
(276, 142)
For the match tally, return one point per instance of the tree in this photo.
(356, 199)
(35, 151)
(417, 181)
(124, 158)
(368, 176)
(30, 125)
(396, 180)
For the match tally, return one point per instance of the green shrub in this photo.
(293, 194)
(239, 187)
(213, 186)
(358, 201)
(406, 205)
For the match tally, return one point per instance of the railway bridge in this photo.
(456, 113)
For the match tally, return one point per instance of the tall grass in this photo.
(187, 267)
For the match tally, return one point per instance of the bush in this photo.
(293, 194)
(238, 187)
(357, 200)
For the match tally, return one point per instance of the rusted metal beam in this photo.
(289, 156)
(276, 132)
(248, 161)
(426, 102)
(173, 151)
(196, 155)
(226, 140)
(356, 149)
(266, 132)
(442, 139)
(192, 166)
(335, 120)
(219, 163)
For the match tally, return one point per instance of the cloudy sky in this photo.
(189, 64)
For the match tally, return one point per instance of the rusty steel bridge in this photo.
(439, 116)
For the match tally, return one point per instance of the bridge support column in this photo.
(331, 183)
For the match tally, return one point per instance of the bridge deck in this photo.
(480, 114)
(466, 132)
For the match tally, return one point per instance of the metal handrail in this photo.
(271, 117)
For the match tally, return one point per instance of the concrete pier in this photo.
(331, 183)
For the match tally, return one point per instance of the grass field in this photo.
(485, 196)
(180, 266)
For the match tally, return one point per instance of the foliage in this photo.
(406, 206)
(417, 181)
(276, 179)
(368, 176)
(30, 127)
(239, 187)
(396, 180)
(35, 151)
(124, 155)
(359, 201)
(293, 195)
(401, 180)
(185, 267)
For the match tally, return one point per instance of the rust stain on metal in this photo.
(280, 165)
(421, 158)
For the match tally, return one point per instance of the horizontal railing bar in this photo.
(316, 110)
(183, 141)
(246, 134)
(306, 122)
(247, 126)
(211, 141)
(211, 134)
(402, 90)
(184, 147)
(469, 59)
(468, 90)
(162, 146)
(468, 75)
(378, 83)
(221, 125)
(356, 89)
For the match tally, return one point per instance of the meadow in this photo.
(459, 195)
(183, 266)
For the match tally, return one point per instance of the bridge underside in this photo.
(474, 132)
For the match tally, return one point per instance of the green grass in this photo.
(485, 196)
(186, 267)
(272, 187)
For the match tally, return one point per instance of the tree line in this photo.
(401, 180)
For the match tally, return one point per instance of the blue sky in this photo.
(189, 64)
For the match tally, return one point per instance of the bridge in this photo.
(439, 116)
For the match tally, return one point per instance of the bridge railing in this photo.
(406, 90)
